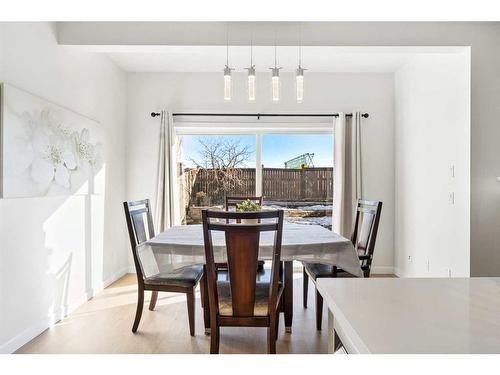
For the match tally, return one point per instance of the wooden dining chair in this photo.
(242, 300)
(363, 238)
(149, 277)
(230, 205)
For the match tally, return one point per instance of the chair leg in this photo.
(305, 284)
(205, 303)
(319, 310)
(190, 307)
(202, 293)
(271, 336)
(277, 324)
(154, 298)
(214, 338)
(140, 305)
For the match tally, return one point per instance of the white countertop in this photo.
(413, 315)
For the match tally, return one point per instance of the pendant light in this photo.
(299, 77)
(251, 75)
(275, 78)
(227, 73)
(299, 83)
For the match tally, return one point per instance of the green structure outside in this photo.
(300, 162)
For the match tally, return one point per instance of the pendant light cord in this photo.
(275, 50)
(227, 45)
(300, 45)
(275, 62)
(251, 50)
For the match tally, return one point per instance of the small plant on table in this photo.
(247, 206)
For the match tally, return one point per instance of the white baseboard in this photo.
(36, 329)
(27, 335)
(117, 275)
(105, 283)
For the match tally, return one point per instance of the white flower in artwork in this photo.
(56, 151)
(88, 155)
(53, 157)
(47, 150)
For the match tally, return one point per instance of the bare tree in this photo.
(222, 159)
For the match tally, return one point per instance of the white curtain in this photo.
(346, 171)
(164, 185)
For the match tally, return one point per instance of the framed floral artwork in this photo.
(46, 150)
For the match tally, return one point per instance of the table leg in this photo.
(205, 304)
(288, 296)
(331, 333)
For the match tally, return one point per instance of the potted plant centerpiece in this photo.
(248, 206)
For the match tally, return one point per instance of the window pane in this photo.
(214, 166)
(297, 176)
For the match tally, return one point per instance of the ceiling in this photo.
(213, 58)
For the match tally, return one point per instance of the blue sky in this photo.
(276, 148)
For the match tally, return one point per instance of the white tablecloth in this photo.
(183, 245)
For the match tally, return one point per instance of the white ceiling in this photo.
(213, 58)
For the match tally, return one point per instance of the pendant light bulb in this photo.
(299, 84)
(227, 83)
(251, 75)
(275, 78)
(251, 83)
(275, 83)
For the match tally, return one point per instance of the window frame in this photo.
(245, 127)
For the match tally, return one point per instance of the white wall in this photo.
(432, 134)
(56, 252)
(202, 92)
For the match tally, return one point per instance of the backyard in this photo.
(304, 194)
(298, 179)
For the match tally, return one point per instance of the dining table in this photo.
(181, 246)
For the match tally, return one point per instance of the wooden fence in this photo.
(278, 184)
(309, 184)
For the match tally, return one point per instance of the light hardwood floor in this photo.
(103, 325)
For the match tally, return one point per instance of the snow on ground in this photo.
(318, 207)
(324, 221)
(293, 207)
(293, 212)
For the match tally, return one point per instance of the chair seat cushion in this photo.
(188, 276)
(261, 298)
(316, 270)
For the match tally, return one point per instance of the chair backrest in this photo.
(364, 234)
(140, 228)
(242, 247)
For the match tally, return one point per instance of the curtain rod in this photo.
(259, 115)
